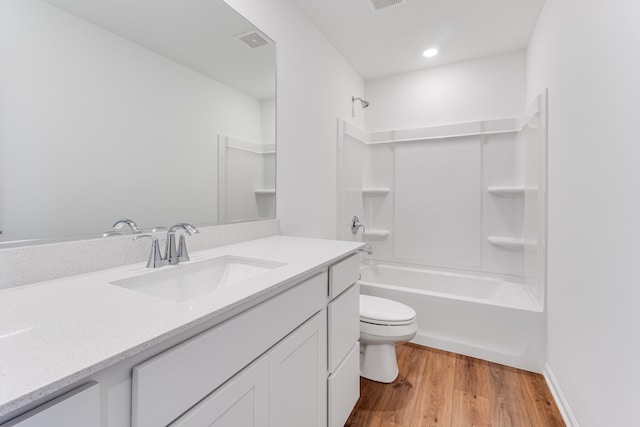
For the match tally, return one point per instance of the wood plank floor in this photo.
(437, 388)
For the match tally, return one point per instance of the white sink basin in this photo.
(187, 281)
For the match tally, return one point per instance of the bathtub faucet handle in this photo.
(355, 225)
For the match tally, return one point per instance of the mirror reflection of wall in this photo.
(97, 125)
(246, 179)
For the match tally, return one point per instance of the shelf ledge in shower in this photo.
(376, 234)
(435, 133)
(375, 191)
(265, 191)
(510, 243)
(506, 191)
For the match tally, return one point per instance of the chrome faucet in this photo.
(355, 225)
(172, 255)
(122, 222)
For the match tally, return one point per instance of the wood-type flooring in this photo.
(437, 388)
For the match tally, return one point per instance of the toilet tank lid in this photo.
(382, 309)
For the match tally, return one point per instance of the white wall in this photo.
(480, 89)
(315, 85)
(587, 54)
(73, 91)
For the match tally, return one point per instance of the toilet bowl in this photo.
(384, 323)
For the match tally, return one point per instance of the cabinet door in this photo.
(241, 402)
(344, 388)
(80, 407)
(298, 376)
(344, 325)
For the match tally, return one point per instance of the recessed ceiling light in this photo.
(430, 53)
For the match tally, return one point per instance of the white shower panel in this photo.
(438, 195)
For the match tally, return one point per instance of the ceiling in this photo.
(200, 34)
(379, 43)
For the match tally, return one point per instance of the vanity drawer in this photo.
(343, 274)
(344, 325)
(80, 407)
(344, 388)
(167, 385)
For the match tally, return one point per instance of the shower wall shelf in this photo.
(511, 243)
(506, 191)
(376, 234)
(375, 191)
(265, 191)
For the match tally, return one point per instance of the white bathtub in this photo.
(483, 317)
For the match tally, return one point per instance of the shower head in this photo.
(364, 104)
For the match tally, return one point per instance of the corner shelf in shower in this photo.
(376, 234)
(265, 191)
(511, 243)
(375, 191)
(506, 191)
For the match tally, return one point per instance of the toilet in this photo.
(383, 324)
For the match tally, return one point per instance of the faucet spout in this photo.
(366, 249)
(122, 222)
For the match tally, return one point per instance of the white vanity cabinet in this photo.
(79, 407)
(343, 334)
(169, 384)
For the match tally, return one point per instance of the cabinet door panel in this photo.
(242, 402)
(344, 388)
(298, 377)
(344, 325)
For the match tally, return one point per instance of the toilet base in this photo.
(378, 362)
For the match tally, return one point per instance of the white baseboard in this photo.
(561, 402)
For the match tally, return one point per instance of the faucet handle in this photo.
(155, 256)
(183, 255)
(355, 225)
(189, 229)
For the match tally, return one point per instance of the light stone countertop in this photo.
(55, 333)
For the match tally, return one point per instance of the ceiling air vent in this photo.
(383, 4)
(253, 40)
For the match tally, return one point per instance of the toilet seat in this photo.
(382, 311)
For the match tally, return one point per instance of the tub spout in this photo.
(366, 249)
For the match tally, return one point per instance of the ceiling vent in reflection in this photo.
(253, 40)
(383, 4)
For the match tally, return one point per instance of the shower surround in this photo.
(456, 216)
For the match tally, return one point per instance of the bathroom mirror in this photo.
(161, 111)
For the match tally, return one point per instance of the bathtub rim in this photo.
(532, 306)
